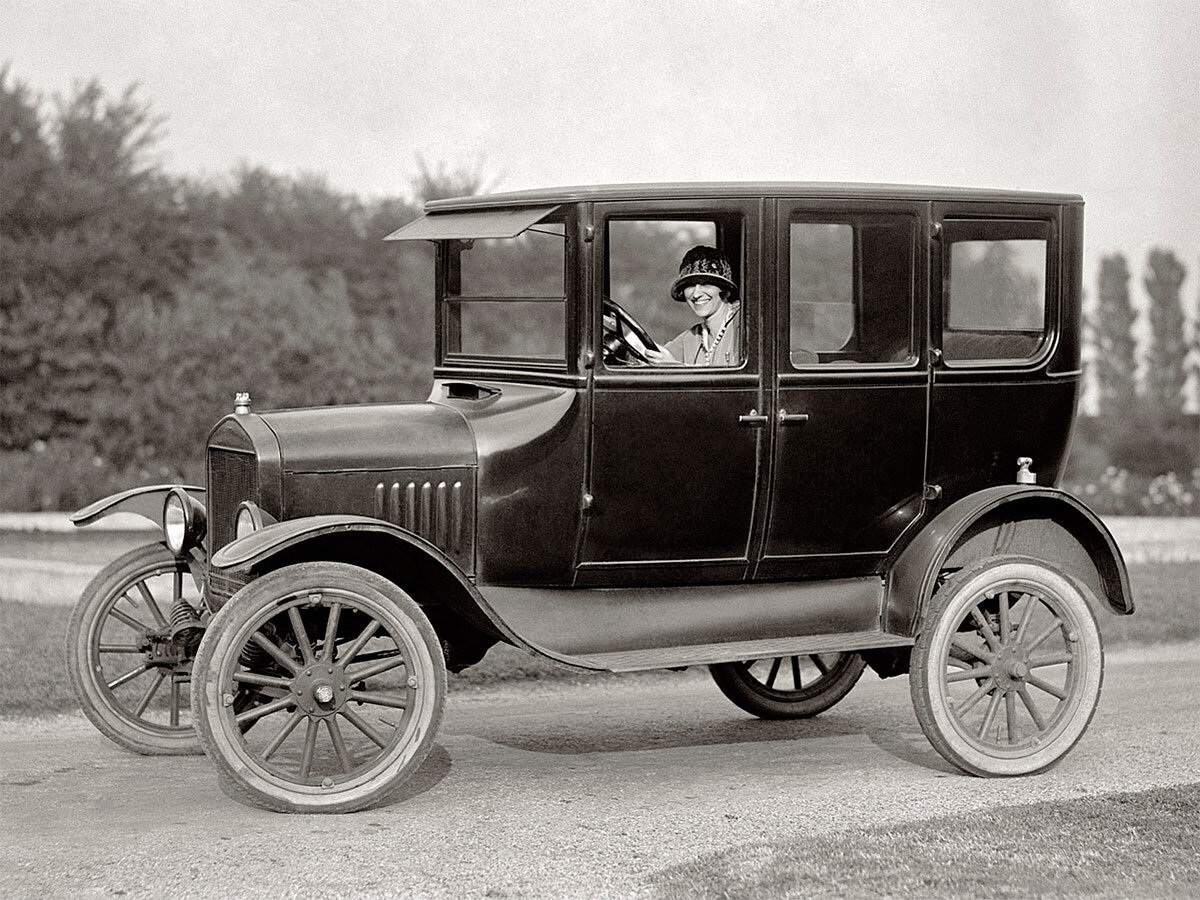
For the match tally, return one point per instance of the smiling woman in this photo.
(706, 284)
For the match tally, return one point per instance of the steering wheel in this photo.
(625, 335)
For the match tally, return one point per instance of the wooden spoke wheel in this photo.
(130, 667)
(1006, 672)
(789, 687)
(319, 689)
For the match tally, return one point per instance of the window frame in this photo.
(742, 215)
(963, 228)
(448, 302)
(855, 215)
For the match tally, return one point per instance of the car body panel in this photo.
(530, 441)
(913, 575)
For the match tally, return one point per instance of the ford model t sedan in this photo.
(784, 431)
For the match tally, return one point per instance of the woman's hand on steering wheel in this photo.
(627, 334)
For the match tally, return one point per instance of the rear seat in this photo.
(966, 345)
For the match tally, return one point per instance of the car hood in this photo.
(363, 438)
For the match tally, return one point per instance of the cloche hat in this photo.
(704, 265)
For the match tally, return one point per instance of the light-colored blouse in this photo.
(688, 346)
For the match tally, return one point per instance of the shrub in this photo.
(1118, 492)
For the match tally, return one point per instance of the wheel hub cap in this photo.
(1011, 667)
(321, 690)
(1015, 668)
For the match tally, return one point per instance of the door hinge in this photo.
(933, 492)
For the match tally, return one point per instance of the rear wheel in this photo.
(319, 688)
(129, 662)
(1006, 672)
(789, 687)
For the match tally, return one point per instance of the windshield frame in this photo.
(447, 297)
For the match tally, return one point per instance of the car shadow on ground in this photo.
(912, 748)
(580, 737)
(585, 736)
(435, 767)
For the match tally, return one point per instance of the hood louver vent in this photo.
(433, 511)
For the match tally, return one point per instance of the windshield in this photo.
(505, 298)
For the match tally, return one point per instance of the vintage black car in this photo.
(866, 479)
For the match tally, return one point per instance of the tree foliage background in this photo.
(133, 304)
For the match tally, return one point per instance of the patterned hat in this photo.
(704, 265)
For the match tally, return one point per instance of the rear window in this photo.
(994, 299)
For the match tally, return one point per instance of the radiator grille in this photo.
(232, 478)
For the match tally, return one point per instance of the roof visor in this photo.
(487, 223)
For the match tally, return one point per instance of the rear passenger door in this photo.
(850, 385)
(997, 300)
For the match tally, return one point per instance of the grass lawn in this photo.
(33, 678)
(1143, 844)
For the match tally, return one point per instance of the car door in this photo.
(850, 387)
(675, 451)
(1001, 344)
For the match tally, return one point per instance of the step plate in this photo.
(704, 654)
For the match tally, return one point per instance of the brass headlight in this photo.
(184, 521)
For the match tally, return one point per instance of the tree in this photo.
(1167, 357)
(441, 181)
(25, 159)
(1116, 352)
(1195, 352)
(95, 230)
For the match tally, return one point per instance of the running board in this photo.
(736, 651)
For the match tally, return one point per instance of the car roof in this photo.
(736, 189)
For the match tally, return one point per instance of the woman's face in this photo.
(704, 299)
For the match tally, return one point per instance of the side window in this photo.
(506, 297)
(851, 291)
(643, 262)
(994, 299)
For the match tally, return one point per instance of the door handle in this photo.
(754, 417)
(787, 418)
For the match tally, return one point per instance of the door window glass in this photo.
(995, 299)
(850, 291)
(644, 258)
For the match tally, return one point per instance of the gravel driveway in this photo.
(552, 791)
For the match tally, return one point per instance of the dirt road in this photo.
(555, 791)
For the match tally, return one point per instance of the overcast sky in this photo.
(1100, 97)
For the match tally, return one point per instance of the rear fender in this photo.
(1039, 522)
(146, 502)
(406, 559)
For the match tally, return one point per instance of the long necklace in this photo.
(708, 353)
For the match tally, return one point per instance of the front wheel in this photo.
(319, 688)
(1007, 669)
(129, 661)
(761, 687)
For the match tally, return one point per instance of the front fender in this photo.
(406, 559)
(146, 502)
(254, 549)
(1041, 522)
